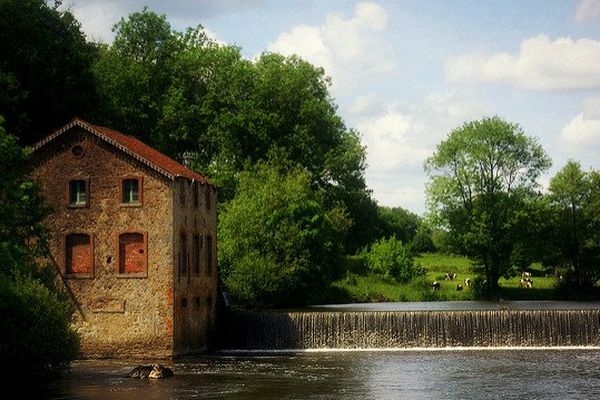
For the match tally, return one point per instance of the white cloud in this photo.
(583, 131)
(366, 105)
(586, 11)
(400, 137)
(392, 141)
(348, 49)
(97, 18)
(541, 64)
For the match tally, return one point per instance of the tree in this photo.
(392, 259)
(135, 73)
(575, 197)
(481, 178)
(182, 93)
(398, 222)
(279, 245)
(45, 69)
(36, 339)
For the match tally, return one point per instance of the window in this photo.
(132, 254)
(78, 255)
(207, 197)
(78, 193)
(131, 191)
(197, 244)
(195, 194)
(183, 255)
(77, 151)
(208, 254)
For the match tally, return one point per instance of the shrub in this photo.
(36, 338)
(392, 260)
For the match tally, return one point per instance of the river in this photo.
(406, 374)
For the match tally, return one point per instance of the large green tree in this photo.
(185, 94)
(575, 198)
(481, 178)
(279, 245)
(45, 69)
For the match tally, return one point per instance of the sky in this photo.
(405, 73)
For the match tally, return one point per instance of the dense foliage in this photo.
(45, 69)
(575, 200)
(392, 260)
(482, 178)
(36, 339)
(279, 244)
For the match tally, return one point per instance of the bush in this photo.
(36, 339)
(392, 260)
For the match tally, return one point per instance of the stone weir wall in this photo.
(409, 329)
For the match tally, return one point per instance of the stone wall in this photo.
(195, 292)
(123, 315)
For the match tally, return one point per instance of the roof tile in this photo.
(133, 146)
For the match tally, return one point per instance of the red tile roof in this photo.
(132, 146)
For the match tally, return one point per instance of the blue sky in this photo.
(406, 72)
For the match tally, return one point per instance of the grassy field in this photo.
(361, 286)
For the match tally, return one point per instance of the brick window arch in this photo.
(133, 257)
(79, 255)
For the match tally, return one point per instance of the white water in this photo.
(412, 329)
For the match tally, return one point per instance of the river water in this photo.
(406, 374)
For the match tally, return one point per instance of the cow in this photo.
(459, 287)
(527, 283)
(525, 274)
(435, 285)
(468, 282)
(450, 276)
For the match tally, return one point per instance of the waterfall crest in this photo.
(271, 330)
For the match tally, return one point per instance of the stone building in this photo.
(134, 234)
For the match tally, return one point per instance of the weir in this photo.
(281, 330)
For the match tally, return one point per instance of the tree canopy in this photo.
(45, 69)
(279, 244)
(575, 197)
(482, 176)
(183, 93)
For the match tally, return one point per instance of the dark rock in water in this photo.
(154, 371)
(140, 372)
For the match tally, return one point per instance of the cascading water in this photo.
(271, 330)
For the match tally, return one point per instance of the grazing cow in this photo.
(450, 276)
(468, 282)
(459, 287)
(527, 282)
(435, 285)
